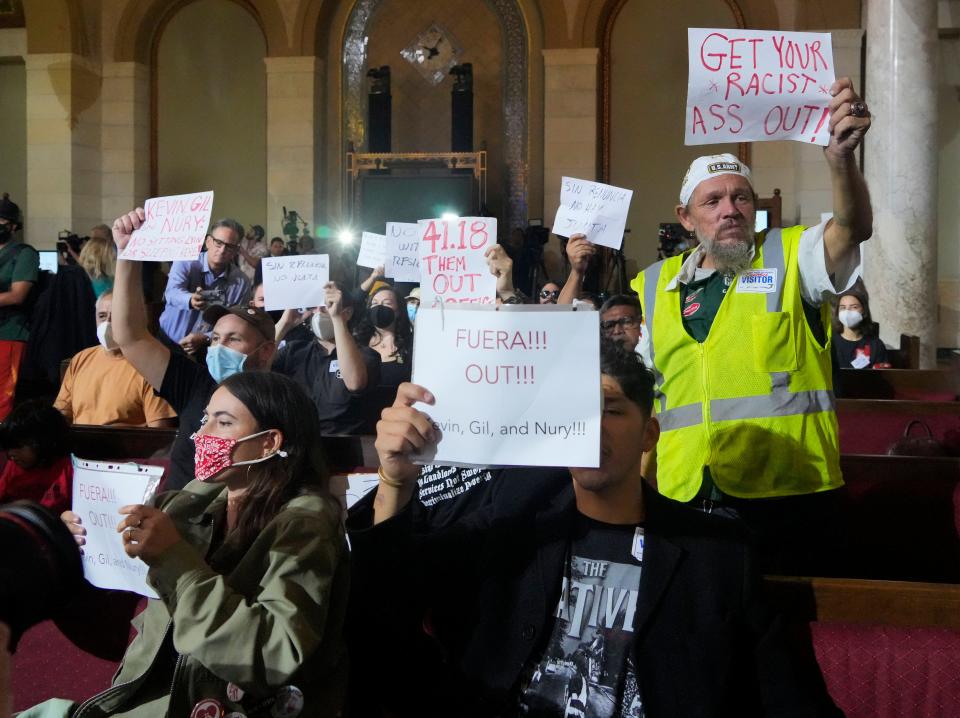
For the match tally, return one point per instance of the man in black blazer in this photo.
(602, 599)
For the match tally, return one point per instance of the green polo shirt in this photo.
(21, 265)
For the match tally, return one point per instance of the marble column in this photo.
(125, 137)
(569, 120)
(63, 146)
(292, 116)
(901, 170)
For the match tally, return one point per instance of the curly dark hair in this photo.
(41, 427)
(402, 328)
(628, 369)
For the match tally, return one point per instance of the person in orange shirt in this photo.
(102, 388)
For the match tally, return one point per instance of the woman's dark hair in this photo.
(628, 369)
(277, 402)
(859, 292)
(402, 329)
(41, 427)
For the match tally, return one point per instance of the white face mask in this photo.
(322, 326)
(105, 335)
(849, 318)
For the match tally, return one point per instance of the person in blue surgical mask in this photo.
(242, 340)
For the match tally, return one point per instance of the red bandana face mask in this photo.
(214, 454)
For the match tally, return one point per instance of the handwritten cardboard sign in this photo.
(596, 210)
(518, 385)
(174, 229)
(100, 489)
(373, 250)
(452, 266)
(295, 282)
(756, 85)
(403, 251)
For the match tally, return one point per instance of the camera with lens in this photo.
(41, 568)
(214, 297)
(674, 240)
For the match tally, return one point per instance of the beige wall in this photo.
(13, 131)
(211, 110)
(648, 104)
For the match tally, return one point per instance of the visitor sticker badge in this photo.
(335, 367)
(757, 281)
(636, 550)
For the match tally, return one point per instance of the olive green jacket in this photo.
(274, 620)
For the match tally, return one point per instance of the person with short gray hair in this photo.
(211, 279)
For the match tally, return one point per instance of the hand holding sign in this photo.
(147, 532)
(404, 430)
(125, 225)
(849, 119)
(750, 85)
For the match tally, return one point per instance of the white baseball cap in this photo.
(703, 168)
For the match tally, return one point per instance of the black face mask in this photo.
(6, 232)
(275, 314)
(381, 316)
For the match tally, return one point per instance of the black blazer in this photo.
(488, 586)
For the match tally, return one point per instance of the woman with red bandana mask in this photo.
(250, 564)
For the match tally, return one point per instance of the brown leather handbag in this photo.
(909, 445)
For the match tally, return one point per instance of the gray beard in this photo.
(728, 258)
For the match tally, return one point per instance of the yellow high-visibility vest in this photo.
(754, 402)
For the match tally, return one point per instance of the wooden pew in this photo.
(899, 517)
(859, 601)
(870, 426)
(916, 384)
(908, 355)
(885, 649)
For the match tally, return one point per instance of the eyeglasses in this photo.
(622, 322)
(547, 293)
(220, 244)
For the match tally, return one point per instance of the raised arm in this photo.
(401, 431)
(579, 252)
(353, 370)
(852, 221)
(377, 273)
(129, 321)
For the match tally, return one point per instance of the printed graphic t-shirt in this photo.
(587, 667)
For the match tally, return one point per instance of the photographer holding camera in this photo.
(212, 279)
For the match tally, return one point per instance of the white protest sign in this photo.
(519, 385)
(373, 250)
(403, 251)
(452, 266)
(295, 282)
(174, 229)
(100, 489)
(756, 85)
(596, 210)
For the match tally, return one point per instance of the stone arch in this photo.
(54, 26)
(142, 24)
(516, 33)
